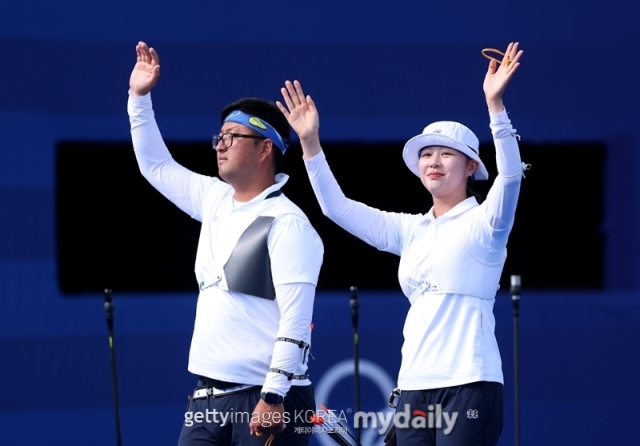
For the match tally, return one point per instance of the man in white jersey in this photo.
(257, 267)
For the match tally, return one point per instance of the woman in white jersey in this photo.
(451, 259)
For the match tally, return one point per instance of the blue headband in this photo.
(259, 125)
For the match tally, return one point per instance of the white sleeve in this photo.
(295, 301)
(380, 229)
(181, 186)
(296, 251)
(502, 199)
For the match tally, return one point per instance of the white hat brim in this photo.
(413, 146)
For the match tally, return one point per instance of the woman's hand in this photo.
(300, 111)
(497, 77)
(303, 117)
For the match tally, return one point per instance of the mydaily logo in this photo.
(417, 419)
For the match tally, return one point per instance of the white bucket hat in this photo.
(446, 134)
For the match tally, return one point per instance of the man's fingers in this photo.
(143, 51)
(254, 429)
(154, 56)
(148, 54)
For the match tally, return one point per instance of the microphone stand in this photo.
(516, 289)
(353, 303)
(108, 308)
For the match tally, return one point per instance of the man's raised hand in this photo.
(146, 71)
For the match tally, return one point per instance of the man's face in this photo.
(242, 157)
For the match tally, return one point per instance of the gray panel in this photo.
(248, 269)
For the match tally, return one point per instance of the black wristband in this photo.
(271, 398)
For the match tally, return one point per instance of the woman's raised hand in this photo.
(300, 111)
(497, 77)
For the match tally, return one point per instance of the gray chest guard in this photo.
(248, 269)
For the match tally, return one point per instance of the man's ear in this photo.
(265, 150)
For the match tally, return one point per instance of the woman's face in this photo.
(445, 171)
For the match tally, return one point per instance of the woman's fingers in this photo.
(287, 98)
(299, 91)
(293, 95)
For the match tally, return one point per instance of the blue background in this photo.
(378, 71)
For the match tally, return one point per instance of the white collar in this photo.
(458, 209)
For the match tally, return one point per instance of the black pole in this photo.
(353, 303)
(516, 289)
(108, 308)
